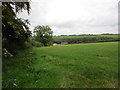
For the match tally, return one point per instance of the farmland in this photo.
(43, 45)
(85, 36)
(89, 65)
(73, 39)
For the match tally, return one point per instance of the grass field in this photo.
(93, 65)
(75, 39)
(85, 36)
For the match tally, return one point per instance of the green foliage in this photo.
(13, 47)
(85, 38)
(44, 35)
(15, 30)
(35, 43)
(93, 65)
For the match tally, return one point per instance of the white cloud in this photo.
(75, 16)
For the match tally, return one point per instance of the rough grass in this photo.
(93, 65)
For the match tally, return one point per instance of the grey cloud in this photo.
(96, 22)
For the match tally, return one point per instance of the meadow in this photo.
(82, 36)
(73, 39)
(88, 65)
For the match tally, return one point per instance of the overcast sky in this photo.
(75, 16)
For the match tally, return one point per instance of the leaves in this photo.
(43, 34)
(14, 29)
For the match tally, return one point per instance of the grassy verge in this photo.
(93, 65)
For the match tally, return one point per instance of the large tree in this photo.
(43, 34)
(14, 29)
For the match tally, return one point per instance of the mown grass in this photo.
(93, 65)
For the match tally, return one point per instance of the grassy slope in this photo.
(85, 36)
(79, 65)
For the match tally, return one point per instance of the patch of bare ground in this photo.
(112, 84)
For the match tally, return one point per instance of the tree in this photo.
(14, 30)
(44, 35)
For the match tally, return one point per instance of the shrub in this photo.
(12, 47)
(35, 43)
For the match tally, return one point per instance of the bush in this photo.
(12, 47)
(35, 43)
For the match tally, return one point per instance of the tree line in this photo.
(84, 40)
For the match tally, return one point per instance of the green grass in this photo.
(93, 65)
(85, 36)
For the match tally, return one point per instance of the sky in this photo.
(66, 17)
